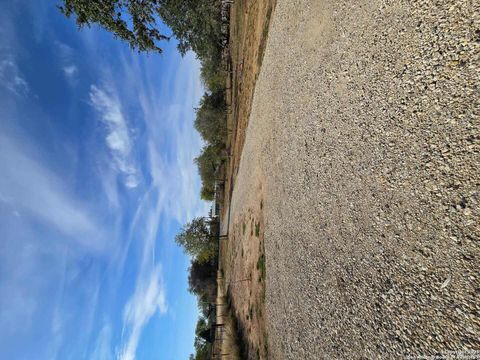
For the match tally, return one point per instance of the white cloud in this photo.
(118, 140)
(170, 145)
(70, 71)
(173, 193)
(66, 55)
(176, 177)
(11, 78)
(148, 299)
(103, 347)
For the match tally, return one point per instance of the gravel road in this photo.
(364, 138)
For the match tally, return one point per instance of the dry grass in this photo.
(242, 256)
(243, 259)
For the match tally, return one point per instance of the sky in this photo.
(96, 178)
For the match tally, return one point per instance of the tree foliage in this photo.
(195, 23)
(212, 75)
(207, 163)
(115, 16)
(197, 241)
(201, 346)
(201, 279)
(210, 121)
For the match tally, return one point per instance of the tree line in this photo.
(198, 26)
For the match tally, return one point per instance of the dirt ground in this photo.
(226, 344)
(242, 255)
(245, 279)
(361, 160)
(249, 23)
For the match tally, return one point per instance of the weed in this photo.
(265, 343)
(257, 229)
(261, 267)
(263, 41)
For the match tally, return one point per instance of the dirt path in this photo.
(362, 155)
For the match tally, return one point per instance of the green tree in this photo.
(212, 74)
(201, 345)
(195, 23)
(202, 280)
(115, 15)
(196, 240)
(210, 120)
(207, 164)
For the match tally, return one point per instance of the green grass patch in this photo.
(263, 41)
(261, 267)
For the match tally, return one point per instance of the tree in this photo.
(114, 16)
(207, 164)
(201, 280)
(207, 193)
(201, 345)
(210, 121)
(212, 74)
(196, 240)
(195, 23)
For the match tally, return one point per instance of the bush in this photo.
(196, 240)
(208, 163)
(211, 119)
(212, 75)
(202, 280)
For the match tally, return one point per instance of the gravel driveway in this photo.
(365, 135)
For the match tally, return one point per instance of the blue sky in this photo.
(97, 176)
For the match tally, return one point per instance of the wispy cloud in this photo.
(148, 299)
(118, 137)
(171, 127)
(173, 191)
(70, 70)
(71, 73)
(11, 77)
(68, 64)
(171, 144)
(103, 345)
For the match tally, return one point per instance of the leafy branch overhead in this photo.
(195, 23)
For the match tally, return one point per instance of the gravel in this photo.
(364, 133)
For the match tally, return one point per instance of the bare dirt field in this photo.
(242, 256)
(360, 165)
(249, 23)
